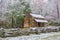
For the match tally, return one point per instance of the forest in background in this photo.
(12, 11)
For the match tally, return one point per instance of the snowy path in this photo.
(44, 36)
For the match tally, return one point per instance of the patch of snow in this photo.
(36, 15)
(38, 20)
(36, 37)
(45, 1)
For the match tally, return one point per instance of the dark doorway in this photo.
(39, 24)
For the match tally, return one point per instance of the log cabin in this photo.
(34, 20)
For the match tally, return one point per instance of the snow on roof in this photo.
(38, 20)
(36, 15)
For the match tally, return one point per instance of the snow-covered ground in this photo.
(42, 36)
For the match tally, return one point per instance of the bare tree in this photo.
(57, 6)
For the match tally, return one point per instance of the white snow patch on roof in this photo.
(36, 15)
(41, 20)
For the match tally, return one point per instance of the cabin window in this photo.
(38, 24)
